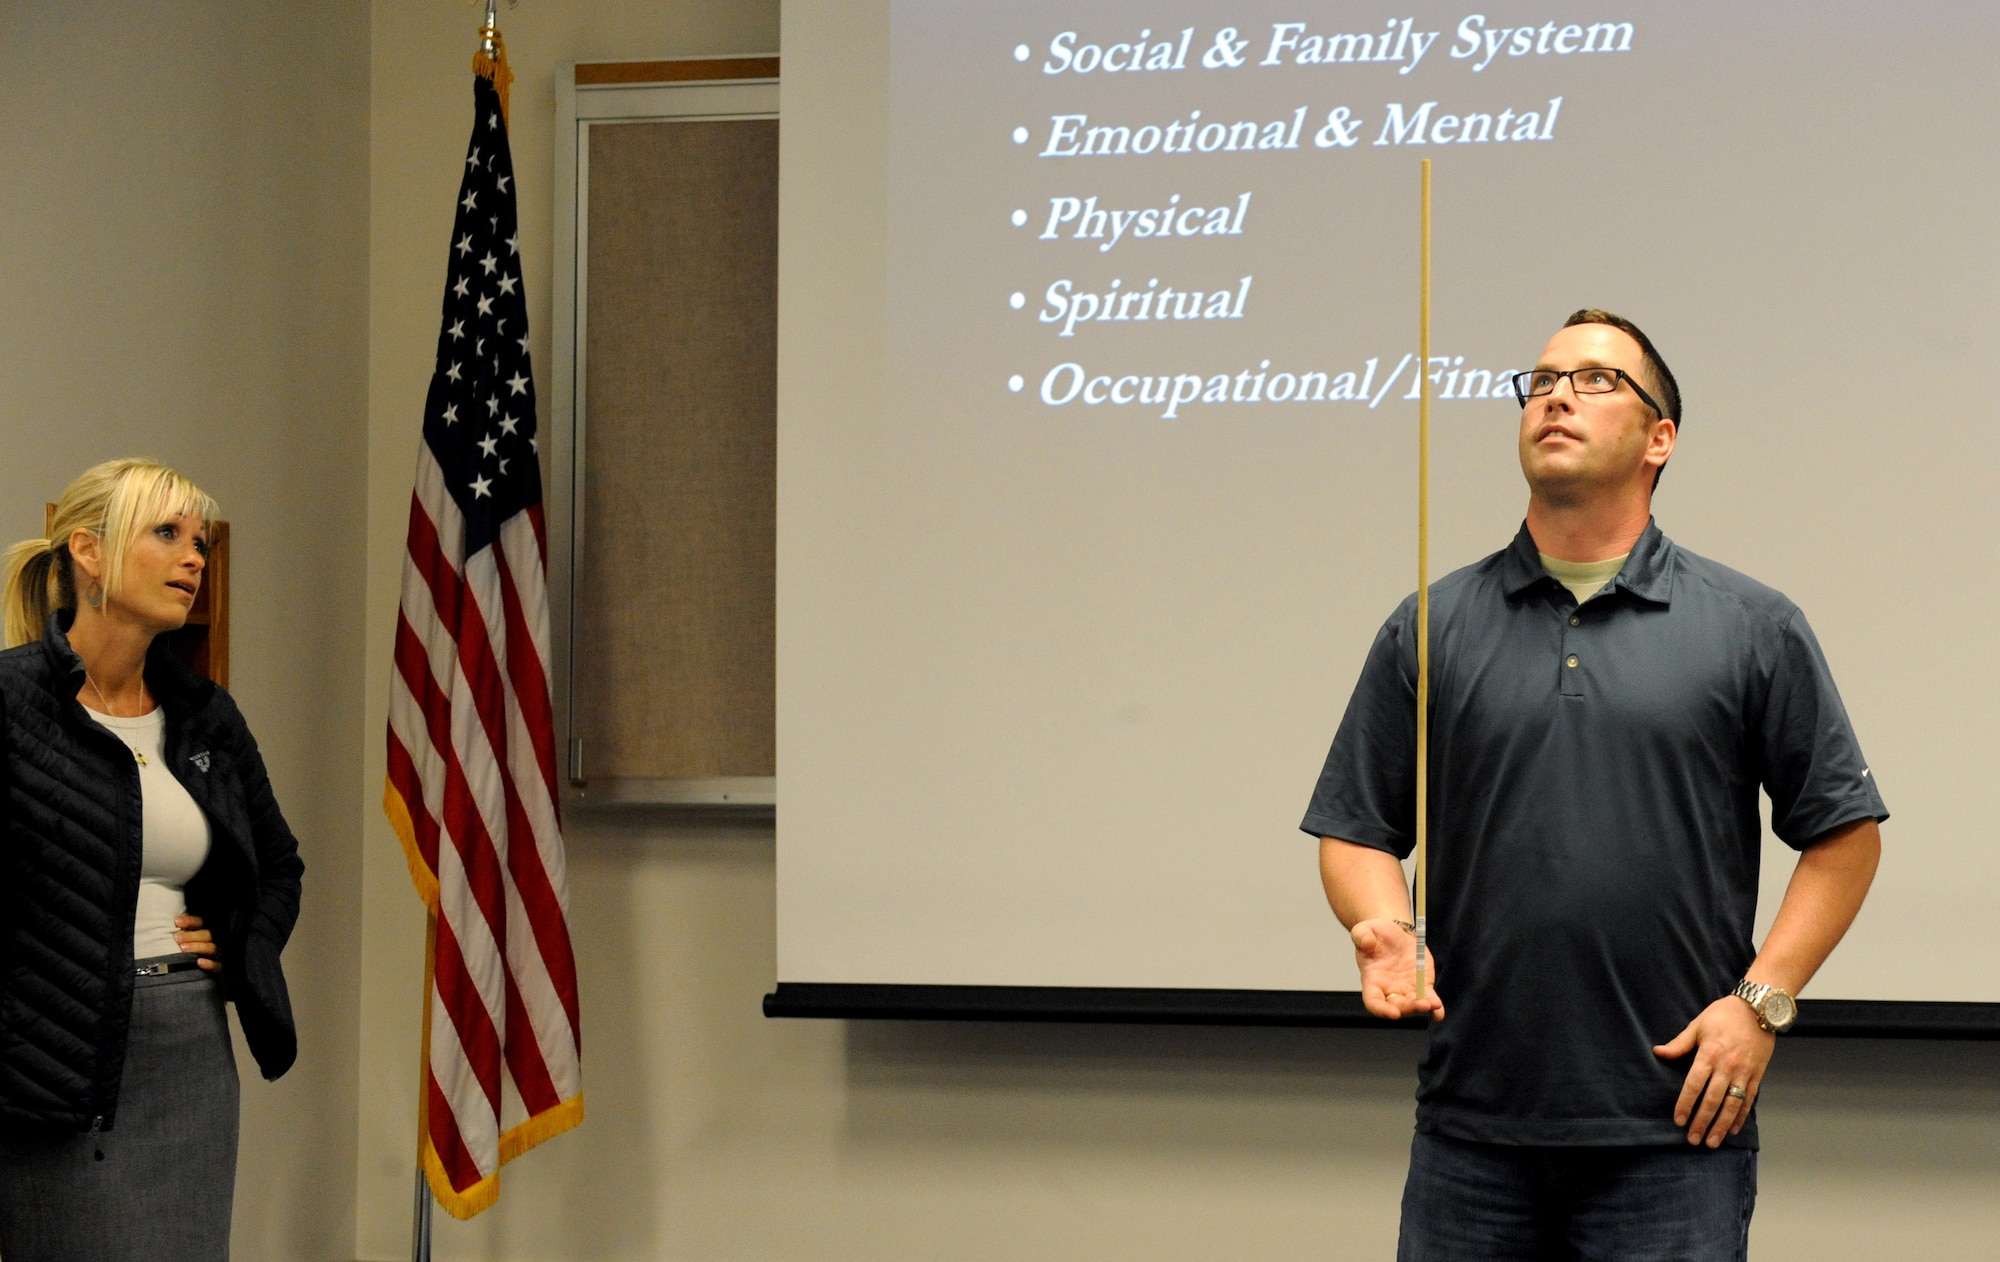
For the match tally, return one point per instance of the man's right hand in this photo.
(1386, 954)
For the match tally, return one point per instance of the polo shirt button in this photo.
(1572, 659)
(1576, 620)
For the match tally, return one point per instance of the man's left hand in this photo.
(1732, 1049)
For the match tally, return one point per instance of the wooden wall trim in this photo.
(694, 69)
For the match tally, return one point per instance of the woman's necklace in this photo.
(106, 703)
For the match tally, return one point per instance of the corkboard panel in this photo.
(675, 646)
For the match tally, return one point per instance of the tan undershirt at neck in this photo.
(1583, 578)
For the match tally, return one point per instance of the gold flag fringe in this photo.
(494, 67)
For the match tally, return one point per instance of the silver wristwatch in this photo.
(1774, 1006)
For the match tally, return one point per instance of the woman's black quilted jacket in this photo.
(69, 879)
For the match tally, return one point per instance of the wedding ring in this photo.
(1738, 1093)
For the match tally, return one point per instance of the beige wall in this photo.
(183, 274)
(218, 221)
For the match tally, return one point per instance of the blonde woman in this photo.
(146, 876)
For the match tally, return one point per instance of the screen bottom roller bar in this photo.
(1337, 1009)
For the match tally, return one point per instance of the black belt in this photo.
(162, 969)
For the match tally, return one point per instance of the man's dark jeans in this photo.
(1469, 1202)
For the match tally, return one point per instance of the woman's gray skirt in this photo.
(157, 1185)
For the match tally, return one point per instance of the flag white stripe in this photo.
(484, 966)
(406, 720)
(548, 1019)
(476, 758)
(469, 1109)
(439, 506)
(524, 562)
(474, 755)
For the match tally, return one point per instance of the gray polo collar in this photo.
(1648, 572)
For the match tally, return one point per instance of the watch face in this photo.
(1780, 1010)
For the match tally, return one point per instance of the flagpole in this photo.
(420, 1231)
(1423, 577)
(420, 1218)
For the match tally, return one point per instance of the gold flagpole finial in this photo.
(490, 62)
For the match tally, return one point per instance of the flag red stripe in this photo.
(525, 672)
(524, 1053)
(446, 1141)
(551, 932)
(410, 786)
(481, 865)
(452, 596)
(459, 614)
(524, 1059)
(531, 879)
(469, 1016)
(459, 812)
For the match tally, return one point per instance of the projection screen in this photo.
(1097, 412)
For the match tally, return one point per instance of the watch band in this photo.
(1752, 993)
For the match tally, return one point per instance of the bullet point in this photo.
(1015, 383)
(1020, 218)
(1020, 52)
(1020, 135)
(1018, 301)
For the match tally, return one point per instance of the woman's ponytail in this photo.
(37, 584)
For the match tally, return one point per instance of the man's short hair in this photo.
(1664, 387)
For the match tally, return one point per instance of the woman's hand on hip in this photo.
(194, 940)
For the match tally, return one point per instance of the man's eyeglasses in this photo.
(1537, 382)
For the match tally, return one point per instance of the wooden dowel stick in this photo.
(1423, 580)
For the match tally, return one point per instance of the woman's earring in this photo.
(95, 596)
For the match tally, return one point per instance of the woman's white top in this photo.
(175, 834)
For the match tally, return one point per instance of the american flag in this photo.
(472, 770)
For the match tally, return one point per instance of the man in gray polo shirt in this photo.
(1606, 707)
